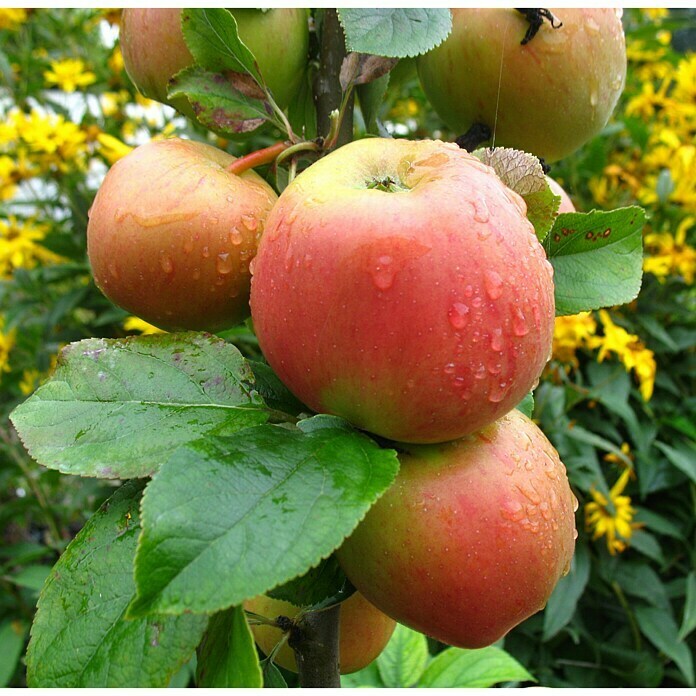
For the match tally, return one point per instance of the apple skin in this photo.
(420, 315)
(566, 205)
(556, 92)
(154, 50)
(363, 633)
(171, 234)
(471, 538)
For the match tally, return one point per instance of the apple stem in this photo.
(257, 158)
(314, 639)
(477, 134)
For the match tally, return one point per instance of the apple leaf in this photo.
(524, 174)
(394, 32)
(275, 394)
(212, 37)
(80, 637)
(324, 582)
(227, 656)
(119, 408)
(218, 101)
(371, 98)
(473, 669)
(597, 258)
(302, 113)
(228, 518)
(526, 406)
(12, 634)
(362, 68)
(402, 662)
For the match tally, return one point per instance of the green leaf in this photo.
(396, 33)
(12, 634)
(366, 677)
(564, 599)
(683, 457)
(80, 637)
(526, 406)
(276, 395)
(660, 629)
(272, 677)
(119, 408)
(597, 258)
(226, 519)
(302, 113)
(32, 577)
(217, 103)
(457, 668)
(402, 662)
(648, 545)
(371, 97)
(523, 174)
(227, 656)
(325, 581)
(212, 37)
(689, 620)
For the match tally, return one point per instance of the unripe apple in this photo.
(171, 234)
(472, 536)
(547, 97)
(364, 631)
(154, 49)
(566, 205)
(400, 285)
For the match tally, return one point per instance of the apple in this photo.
(363, 633)
(171, 234)
(547, 97)
(400, 285)
(472, 536)
(566, 205)
(154, 50)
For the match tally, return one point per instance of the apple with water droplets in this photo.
(171, 234)
(400, 285)
(547, 97)
(364, 631)
(154, 49)
(471, 538)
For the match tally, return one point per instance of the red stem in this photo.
(256, 159)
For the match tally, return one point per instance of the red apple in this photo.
(547, 97)
(154, 49)
(171, 234)
(472, 536)
(566, 204)
(364, 631)
(400, 285)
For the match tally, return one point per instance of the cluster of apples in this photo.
(397, 284)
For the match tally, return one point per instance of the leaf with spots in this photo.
(119, 408)
(228, 518)
(597, 258)
(80, 637)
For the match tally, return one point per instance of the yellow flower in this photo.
(12, 17)
(655, 13)
(20, 246)
(61, 143)
(618, 459)
(142, 327)
(69, 74)
(7, 341)
(629, 349)
(671, 255)
(612, 517)
(115, 62)
(29, 382)
(111, 148)
(571, 333)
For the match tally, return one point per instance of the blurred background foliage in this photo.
(617, 399)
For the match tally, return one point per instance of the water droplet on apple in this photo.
(519, 323)
(458, 315)
(497, 340)
(481, 212)
(468, 291)
(480, 372)
(493, 284)
(166, 263)
(205, 252)
(113, 269)
(224, 264)
(250, 222)
(235, 236)
(449, 368)
(196, 273)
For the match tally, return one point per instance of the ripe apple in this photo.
(472, 536)
(364, 631)
(154, 49)
(171, 234)
(547, 97)
(566, 204)
(400, 285)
